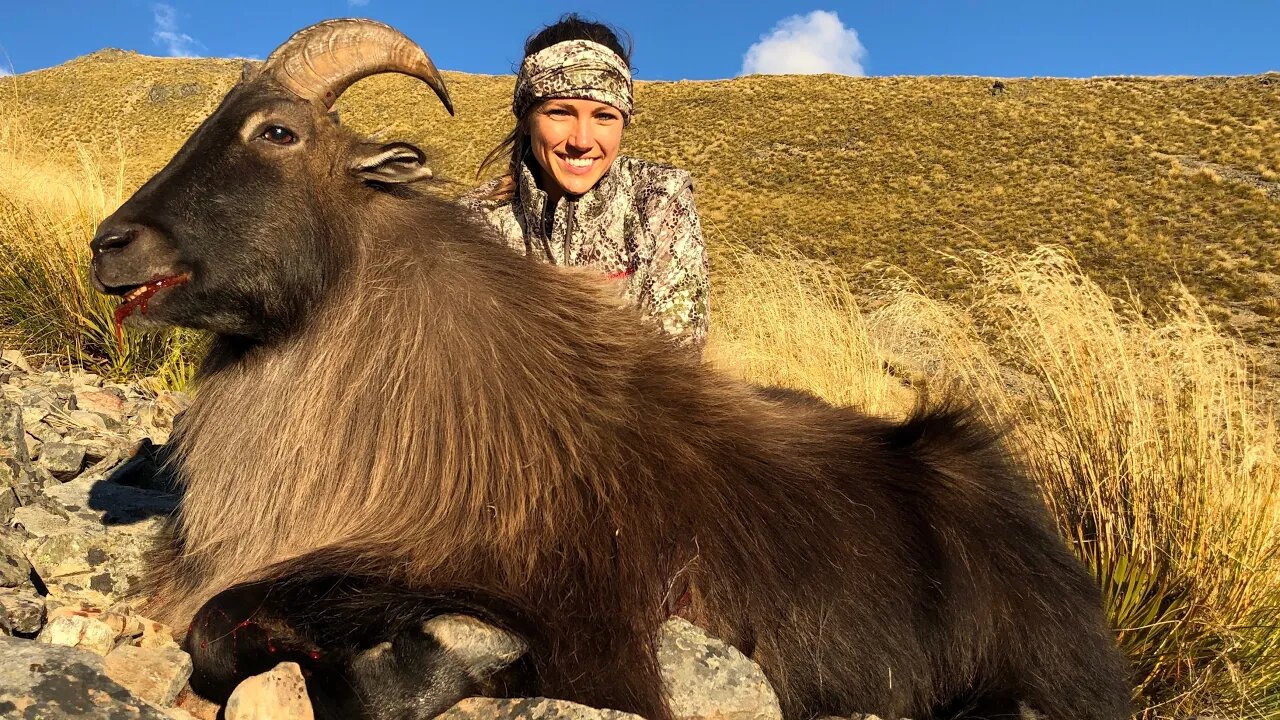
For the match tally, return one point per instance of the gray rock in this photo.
(90, 545)
(93, 567)
(20, 477)
(529, 709)
(8, 498)
(45, 681)
(34, 446)
(14, 568)
(64, 460)
(41, 430)
(83, 379)
(156, 675)
(91, 420)
(12, 432)
(708, 679)
(111, 446)
(38, 396)
(43, 478)
(33, 415)
(119, 506)
(25, 608)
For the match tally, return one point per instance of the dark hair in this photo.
(569, 27)
(574, 27)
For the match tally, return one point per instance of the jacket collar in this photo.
(588, 206)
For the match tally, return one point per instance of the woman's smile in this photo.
(577, 165)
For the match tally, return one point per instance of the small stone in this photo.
(156, 418)
(280, 694)
(156, 675)
(42, 431)
(14, 568)
(16, 359)
(478, 708)
(39, 521)
(34, 446)
(99, 446)
(46, 681)
(12, 432)
(86, 380)
(44, 478)
(8, 497)
(64, 460)
(90, 420)
(33, 415)
(103, 402)
(80, 631)
(707, 678)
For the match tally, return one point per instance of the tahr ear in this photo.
(394, 163)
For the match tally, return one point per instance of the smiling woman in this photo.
(568, 198)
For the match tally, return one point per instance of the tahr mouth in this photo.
(136, 297)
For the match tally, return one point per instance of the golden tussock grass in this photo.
(1153, 446)
(49, 211)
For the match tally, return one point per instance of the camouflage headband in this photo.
(574, 69)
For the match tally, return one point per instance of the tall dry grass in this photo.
(49, 209)
(1153, 446)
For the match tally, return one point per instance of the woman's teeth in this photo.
(579, 162)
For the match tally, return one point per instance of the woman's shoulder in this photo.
(647, 173)
(654, 184)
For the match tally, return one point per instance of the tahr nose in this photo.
(114, 236)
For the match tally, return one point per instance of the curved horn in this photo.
(321, 61)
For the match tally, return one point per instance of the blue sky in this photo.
(703, 40)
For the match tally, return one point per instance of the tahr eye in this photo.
(279, 135)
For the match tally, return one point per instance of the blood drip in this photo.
(140, 303)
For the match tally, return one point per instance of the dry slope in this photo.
(1146, 180)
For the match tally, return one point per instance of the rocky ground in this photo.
(80, 499)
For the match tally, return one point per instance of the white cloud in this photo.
(806, 45)
(166, 34)
(4, 71)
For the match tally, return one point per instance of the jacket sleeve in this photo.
(680, 290)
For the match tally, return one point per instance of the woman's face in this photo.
(574, 142)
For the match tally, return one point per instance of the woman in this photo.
(568, 198)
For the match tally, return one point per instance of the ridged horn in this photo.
(321, 61)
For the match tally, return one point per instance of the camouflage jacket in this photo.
(638, 224)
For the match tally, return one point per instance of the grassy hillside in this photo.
(1146, 180)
